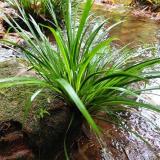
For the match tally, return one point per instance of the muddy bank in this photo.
(119, 143)
(35, 136)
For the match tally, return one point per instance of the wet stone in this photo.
(5, 9)
(7, 54)
(13, 145)
(142, 143)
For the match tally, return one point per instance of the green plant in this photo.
(30, 6)
(91, 76)
(40, 9)
(42, 112)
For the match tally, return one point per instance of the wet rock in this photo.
(42, 135)
(12, 142)
(9, 55)
(5, 9)
(47, 140)
(142, 142)
(14, 38)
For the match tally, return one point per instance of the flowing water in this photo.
(133, 29)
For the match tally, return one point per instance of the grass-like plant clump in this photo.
(39, 8)
(82, 69)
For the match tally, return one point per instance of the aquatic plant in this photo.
(82, 68)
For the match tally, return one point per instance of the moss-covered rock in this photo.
(13, 100)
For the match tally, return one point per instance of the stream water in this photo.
(133, 29)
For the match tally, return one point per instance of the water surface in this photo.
(134, 29)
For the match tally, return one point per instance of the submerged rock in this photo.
(138, 139)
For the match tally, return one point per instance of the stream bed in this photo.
(133, 29)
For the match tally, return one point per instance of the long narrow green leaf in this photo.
(132, 103)
(74, 97)
(62, 49)
(29, 103)
(9, 82)
(81, 27)
(89, 58)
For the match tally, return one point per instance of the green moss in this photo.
(13, 100)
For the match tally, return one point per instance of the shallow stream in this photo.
(133, 29)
